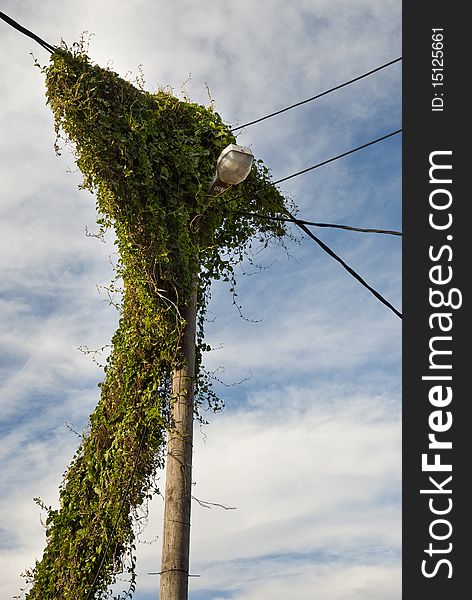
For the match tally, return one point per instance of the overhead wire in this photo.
(349, 269)
(330, 160)
(321, 94)
(326, 248)
(317, 224)
(302, 224)
(27, 32)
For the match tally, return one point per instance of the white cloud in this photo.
(362, 582)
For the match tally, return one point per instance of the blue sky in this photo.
(308, 448)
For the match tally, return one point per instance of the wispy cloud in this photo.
(314, 483)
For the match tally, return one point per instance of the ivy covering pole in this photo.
(148, 158)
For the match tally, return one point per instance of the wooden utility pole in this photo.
(178, 489)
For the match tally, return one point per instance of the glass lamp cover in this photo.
(234, 164)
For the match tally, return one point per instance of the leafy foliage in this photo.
(149, 159)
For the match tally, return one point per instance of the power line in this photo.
(303, 226)
(333, 89)
(27, 32)
(325, 162)
(317, 224)
(350, 270)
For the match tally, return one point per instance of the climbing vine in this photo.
(148, 158)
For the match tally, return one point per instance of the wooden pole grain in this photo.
(178, 488)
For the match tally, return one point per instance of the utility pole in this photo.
(178, 489)
(233, 166)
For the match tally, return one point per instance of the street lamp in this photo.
(232, 167)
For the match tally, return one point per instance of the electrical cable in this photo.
(302, 225)
(279, 112)
(316, 224)
(27, 32)
(325, 162)
(118, 516)
(356, 275)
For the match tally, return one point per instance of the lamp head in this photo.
(234, 164)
